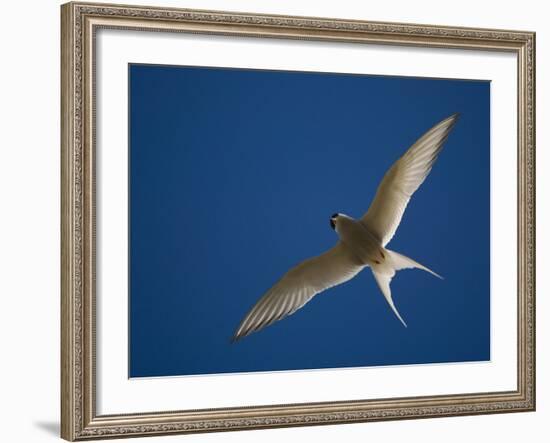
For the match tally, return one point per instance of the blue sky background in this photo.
(233, 177)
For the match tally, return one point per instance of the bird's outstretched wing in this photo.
(298, 286)
(403, 179)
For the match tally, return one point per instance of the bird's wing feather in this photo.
(298, 286)
(403, 179)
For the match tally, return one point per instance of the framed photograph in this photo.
(282, 221)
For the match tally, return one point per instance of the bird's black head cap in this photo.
(333, 217)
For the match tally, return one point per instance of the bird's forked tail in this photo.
(384, 272)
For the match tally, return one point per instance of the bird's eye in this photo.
(334, 215)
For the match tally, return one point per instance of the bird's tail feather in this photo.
(384, 272)
(399, 261)
(383, 279)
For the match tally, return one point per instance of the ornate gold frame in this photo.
(79, 21)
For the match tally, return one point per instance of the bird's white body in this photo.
(362, 242)
(359, 240)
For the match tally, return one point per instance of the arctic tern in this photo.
(362, 243)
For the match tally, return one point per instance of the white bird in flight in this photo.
(362, 243)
